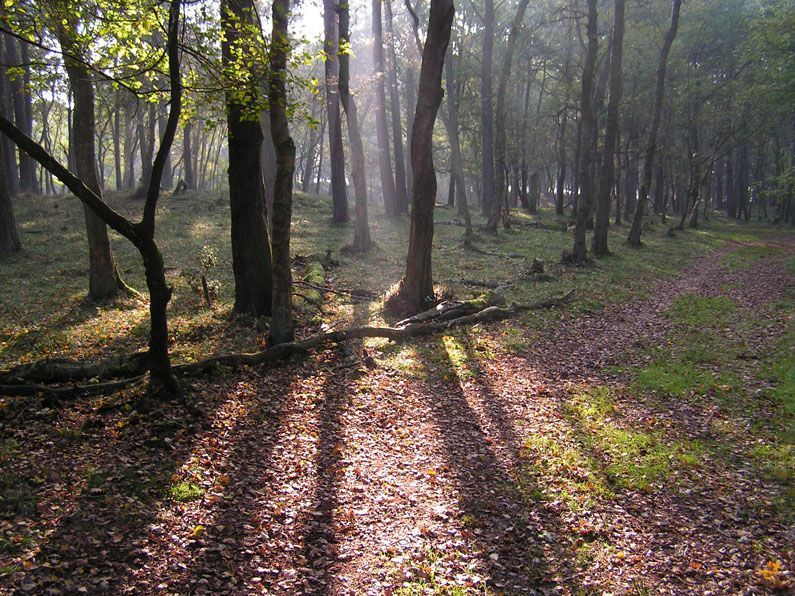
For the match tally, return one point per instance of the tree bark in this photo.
(651, 146)
(602, 220)
(9, 151)
(456, 161)
(487, 111)
(251, 253)
(394, 101)
(361, 231)
(391, 206)
(586, 155)
(24, 120)
(187, 156)
(339, 198)
(416, 288)
(103, 278)
(9, 238)
(281, 321)
(500, 183)
(168, 171)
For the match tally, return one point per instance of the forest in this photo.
(402, 298)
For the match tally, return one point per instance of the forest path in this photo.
(544, 469)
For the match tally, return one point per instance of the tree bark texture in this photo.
(251, 253)
(416, 288)
(651, 145)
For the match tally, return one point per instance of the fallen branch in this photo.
(357, 293)
(60, 393)
(288, 350)
(60, 370)
(285, 351)
(448, 310)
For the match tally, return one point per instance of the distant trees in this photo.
(339, 197)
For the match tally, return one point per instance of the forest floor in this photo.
(637, 441)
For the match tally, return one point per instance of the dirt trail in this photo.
(324, 479)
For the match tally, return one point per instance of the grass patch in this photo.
(184, 492)
(700, 311)
(16, 495)
(673, 378)
(746, 257)
(633, 459)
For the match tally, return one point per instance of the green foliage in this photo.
(186, 491)
(747, 256)
(700, 311)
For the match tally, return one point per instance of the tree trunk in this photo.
(27, 169)
(9, 238)
(394, 101)
(416, 288)
(339, 197)
(119, 182)
(187, 156)
(500, 204)
(456, 161)
(487, 111)
(651, 146)
(147, 120)
(251, 255)
(130, 140)
(561, 178)
(586, 155)
(9, 151)
(391, 207)
(103, 278)
(602, 221)
(168, 171)
(281, 321)
(361, 231)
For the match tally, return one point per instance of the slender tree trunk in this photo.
(586, 155)
(416, 288)
(147, 120)
(391, 206)
(9, 151)
(394, 101)
(119, 182)
(130, 140)
(602, 222)
(361, 231)
(187, 156)
(27, 169)
(281, 321)
(339, 198)
(411, 105)
(560, 197)
(456, 161)
(487, 111)
(103, 278)
(9, 238)
(168, 171)
(500, 202)
(651, 146)
(251, 255)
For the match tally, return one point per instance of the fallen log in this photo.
(281, 352)
(452, 309)
(288, 350)
(59, 370)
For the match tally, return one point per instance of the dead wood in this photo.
(446, 319)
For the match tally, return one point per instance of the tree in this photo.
(104, 280)
(331, 48)
(456, 161)
(9, 238)
(487, 110)
(23, 116)
(500, 183)
(416, 287)
(281, 321)
(361, 231)
(394, 103)
(251, 253)
(141, 234)
(651, 144)
(586, 153)
(391, 206)
(602, 219)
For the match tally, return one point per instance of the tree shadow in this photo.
(125, 465)
(482, 448)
